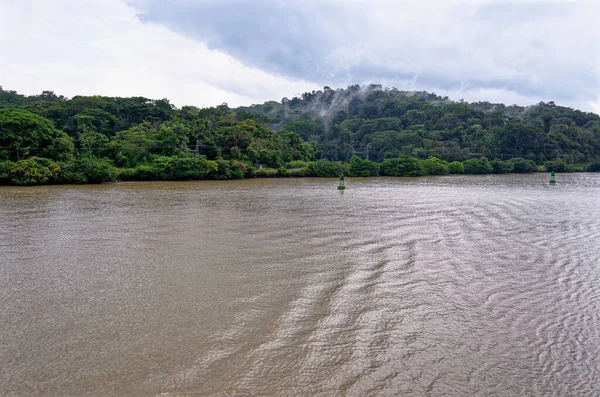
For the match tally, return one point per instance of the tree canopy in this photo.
(389, 122)
(359, 131)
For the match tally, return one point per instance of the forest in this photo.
(358, 131)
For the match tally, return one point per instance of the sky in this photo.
(206, 52)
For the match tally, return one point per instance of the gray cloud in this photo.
(279, 38)
(530, 50)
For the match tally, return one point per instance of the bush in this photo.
(96, 170)
(71, 174)
(249, 171)
(501, 167)
(456, 167)
(594, 167)
(228, 170)
(298, 172)
(360, 167)
(575, 168)
(520, 165)
(403, 166)
(127, 174)
(556, 166)
(34, 171)
(191, 168)
(161, 169)
(296, 164)
(146, 173)
(171, 168)
(140, 173)
(328, 169)
(265, 173)
(87, 170)
(282, 171)
(477, 166)
(5, 170)
(435, 166)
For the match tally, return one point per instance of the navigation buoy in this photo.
(341, 186)
(552, 180)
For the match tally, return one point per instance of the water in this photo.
(447, 286)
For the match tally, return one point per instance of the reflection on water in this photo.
(447, 286)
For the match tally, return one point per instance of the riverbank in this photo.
(92, 170)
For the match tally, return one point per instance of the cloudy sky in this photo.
(205, 52)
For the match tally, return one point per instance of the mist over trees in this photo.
(360, 131)
(386, 123)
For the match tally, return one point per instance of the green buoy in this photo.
(552, 180)
(341, 186)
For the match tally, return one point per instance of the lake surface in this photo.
(442, 286)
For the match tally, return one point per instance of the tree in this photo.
(520, 165)
(360, 167)
(547, 119)
(88, 170)
(456, 167)
(93, 142)
(501, 167)
(34, 171)
(477, 166)
(131, 146)
(170, 137)
(435, 166)
(5, 171)
(403, 166)
(24, 134)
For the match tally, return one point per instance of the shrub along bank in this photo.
(41, 171)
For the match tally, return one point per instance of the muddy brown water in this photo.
(445, 286)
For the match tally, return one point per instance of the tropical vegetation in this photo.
(359, 131)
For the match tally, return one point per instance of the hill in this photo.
(381, 123)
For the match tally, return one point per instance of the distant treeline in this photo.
(48, 138)
(385, 123)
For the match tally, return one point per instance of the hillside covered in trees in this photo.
(385, 123)
(360, 131)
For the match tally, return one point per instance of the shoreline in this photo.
(362, 178)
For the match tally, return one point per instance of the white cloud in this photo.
(99, 47)
(211, 51)
(530, 50)
(595, 106)
(536, 50)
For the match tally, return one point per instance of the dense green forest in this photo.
(358, 131)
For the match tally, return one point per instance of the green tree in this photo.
(24, 134)
(5, 172)
(555, 165)
(360, 167)
(192, 168)
(477, 166)
(593, 167)
(456, 167)
(520, 165)
(170, 137)
(403, 166)
(132, 146)
(435, 166)
(34, 171)
(93, 142)
(328, 169)
(501, 167)
(88, 170)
